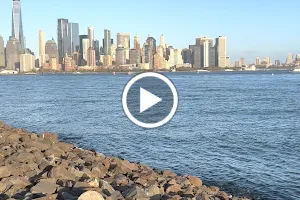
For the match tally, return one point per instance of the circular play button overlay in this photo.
(150, 100)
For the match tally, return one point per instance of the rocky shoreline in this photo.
(38, 166)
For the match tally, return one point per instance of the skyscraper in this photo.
(120, 56)
(42, 59)
(152, 45)
(85, 47)
(212, 56)
(123, 40)
(107, 42)
(289, 59)
(51, 49)
(27, 62)
(257, 61)
(81, 37)
(97, 49)
(73, 35)
(91, 36)
(2, 53)
(91, 57)
(62, 37)
(242, 62)
(187, 56)
(12, 54)
(221, 51)
(137, 44)
(17, 25)
(205, 51)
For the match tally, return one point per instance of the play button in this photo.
(150, 100)
(147, 100)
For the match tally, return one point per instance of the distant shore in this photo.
(38, 166)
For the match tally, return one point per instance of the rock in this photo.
(222, 196)
(3, 187)
(116, 195)
(12, 138)
(42, 146)
(173, 189)
(56, 152)
(68, 196)
(106, 188)
(195, 181)
(4, 172)
(23, 157)
(135, 192)
(91, 195)
(120, 180)
(44, 188)
(152, 190)
(1, 124)
(65, 147)
(168, 173)
(99, 172)
(52, 137)
(47, 197)
(60, 172)
(16, 182)
(213, 190)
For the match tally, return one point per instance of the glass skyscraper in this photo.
(62, 39)
(107, 42)
(73, 35)
(17, 26)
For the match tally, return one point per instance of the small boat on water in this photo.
(114, 73)
(297, 69)
(76, 73)
(30, 73)
(130, 73)
(202, 70)
(228, 70)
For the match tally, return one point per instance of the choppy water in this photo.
(240, 131)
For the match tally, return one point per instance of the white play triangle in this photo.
(147, 100)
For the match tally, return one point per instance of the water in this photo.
(239, 131)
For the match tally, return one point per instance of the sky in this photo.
(253, 28)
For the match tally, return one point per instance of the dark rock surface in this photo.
(40, 167)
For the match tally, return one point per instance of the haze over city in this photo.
(260, 29)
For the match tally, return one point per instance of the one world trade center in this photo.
(17, 26)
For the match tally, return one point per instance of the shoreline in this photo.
(39, 166)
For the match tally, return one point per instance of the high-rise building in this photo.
(120, 56)
(123, 40)
(107, 42)
(200, 41)
(113, 48)
(91, 36)
(228, 61)
(178, 57)
(51, 49)
(152, 47)
(134, 56)
(12, 54)
(257, 61)
(242, 62)
(73, 38)
(197, 56)
(221, 51)
(27, 62)
(97, 49)
(187, 56)
(137, 44)
(205, 50)
(162, 41)
(268, 61)
(107, 61)
(289, 59)
(277, 62)
(42, 59)
(81, 38)
(91, 60)
(237, 63)
(17, 25)
(85, 47)
(212, 56)
(2, 53)
(62, 38)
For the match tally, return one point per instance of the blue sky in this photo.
(253, 28)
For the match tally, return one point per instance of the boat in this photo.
(130, 73)
(30, 73)
(297, 69)
(114, 73)
(228, 70)
(202, 70)
(76, 73)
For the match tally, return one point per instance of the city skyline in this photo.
(239, 45)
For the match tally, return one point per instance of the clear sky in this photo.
(252, 27)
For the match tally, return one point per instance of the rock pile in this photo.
(40, 167)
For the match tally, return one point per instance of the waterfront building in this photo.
(137, 44)
(107, 60)
(91, 36)
(237, 63)
(257, 61)
(107, 42)
(27, 62)
(17, 24)
(277, 63)
(42, 59)
(212, 56)
(196, 56)
(97, 49)
(69, 64)
(120, 56)
(73, 38)
(221, 51)
(152, 50)
(54, 65)
(81, 38)
(12, 54)
(228, 64)
(187, 56)
(289, 59)
(134, 56)
(123, 40)
(62, 38)
(2, 53)
(91, 57)
(85, 47)
(268, 61)
(242, 62)
(51, 49)
(205, 49)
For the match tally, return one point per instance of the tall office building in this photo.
(62, 38)
(162, 41)
(97, 49)
(137, 43)
(206, 46)
(17, 25)
(268, 61)
(289, 59)
(27, 62)
(12, 54)
(221, 51)
(91, 36)
(257, 61)
(42, 59)
(123, 40)
(120, 56)
(134, 56)
(197, 56)
(73, 38)
(212, 56)
(2, 53)
(228, 61)
(107, 42)
(81, 38)
(187, 56)
(152, 48)
(242, 62)
(51, 50)
(85, 47)
(91, 57)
